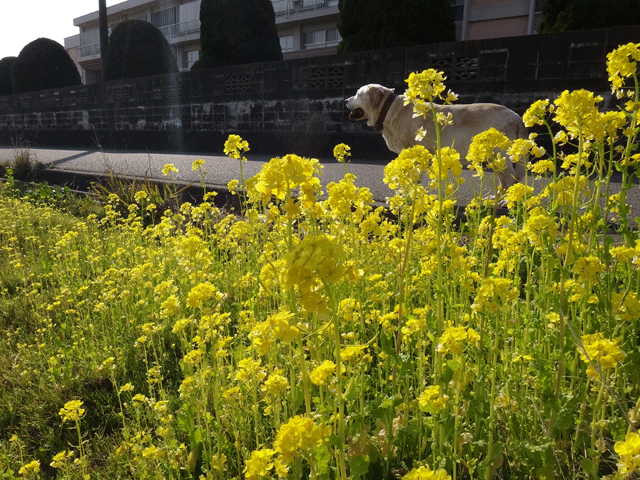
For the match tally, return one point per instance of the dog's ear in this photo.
(377, 95)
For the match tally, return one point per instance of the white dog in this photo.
(386, 111)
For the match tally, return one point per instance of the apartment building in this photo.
(305, 27)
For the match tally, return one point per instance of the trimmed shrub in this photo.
(235, 32)
(568, 15)
(43, 64)
(374, 24)
(5, 75)
(138, 49)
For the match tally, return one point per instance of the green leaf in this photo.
(588, 466)
(322, 457)
(359, 466)
(453, 365)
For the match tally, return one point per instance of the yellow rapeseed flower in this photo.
(431, 400)
(605, 352)
(275, 384)
(299, 436)
(341, 152)
(72, 411)
(535, 114)
(259, 464)
(622, 64)
(405, 172)
(483, 151)
(577, 112)
(454, 339)
(199, 163)
(425, 473)
(629, 452)
(425, 88)
(318, 257)
(31, 467)
(322, 372)
(235, 146)
(169, 168)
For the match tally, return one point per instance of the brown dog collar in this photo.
(385, 109)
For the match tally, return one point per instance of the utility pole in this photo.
(104, 32)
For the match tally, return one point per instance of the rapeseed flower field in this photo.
(326, 338)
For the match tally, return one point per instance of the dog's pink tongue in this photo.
(356, 114)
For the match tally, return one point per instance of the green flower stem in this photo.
(342, 466)
(492, 398)
(306, 382)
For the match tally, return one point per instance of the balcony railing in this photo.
(287, 7)
(180, 29)
(170, 32)
(90, 50)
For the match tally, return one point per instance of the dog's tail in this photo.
(520, 167)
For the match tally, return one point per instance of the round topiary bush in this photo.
(5, 75)
(138, 49)
(233, 32)
(43, 64)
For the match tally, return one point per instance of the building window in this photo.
(320, 39)
(312, 3)
(537, 16)
(286, 43)
(164, 18)
(189, 58)
(457, 10)
(280, 6)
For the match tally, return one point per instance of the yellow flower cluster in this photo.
(425, 88)
(629, 452)
(202, 293)
(281, 176)
(322, 372)
(299, 436)
(276, 327)
(405, 172)
(72, 411)
(431, 400)
(341, 152)
(493, 293)
(425, 473)
(577, 112)
(486, 148)
(622, 64)
(318, 260)
(454, 339)
(536, 113)
(606, 353)
(235, 147)
(31, 467)
(260, 463)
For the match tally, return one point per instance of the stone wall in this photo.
(298, 105)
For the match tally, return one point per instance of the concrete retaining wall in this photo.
(298, 105)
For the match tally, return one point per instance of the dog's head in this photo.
(367, 103)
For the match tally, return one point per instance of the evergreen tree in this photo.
(5, 75)
(138, 49)
(43, 64)
(234, 32)
(567, 15)
(374, 24)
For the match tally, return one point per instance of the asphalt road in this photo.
(220, 170)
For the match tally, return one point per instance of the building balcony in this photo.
(180, 30)
(292, 7)
(173, 33)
